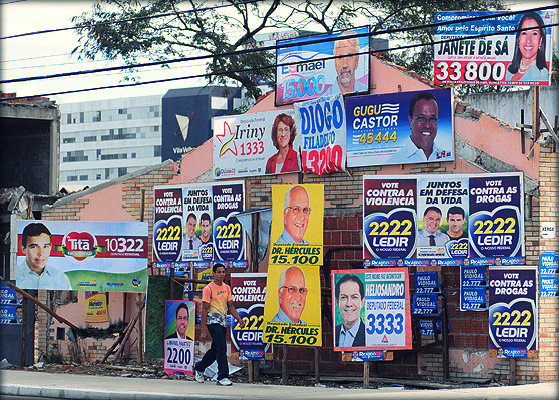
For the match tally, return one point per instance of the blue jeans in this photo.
(217, 351)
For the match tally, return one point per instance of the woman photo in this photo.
(528, 62)
(283, 135)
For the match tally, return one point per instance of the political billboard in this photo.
(292, 312)
(371, 309)
(443, 219)
(311, 67)
(400, 128)
(513, 311)
(179, 337)
(473, 288)
(196, 222)
(517, 51)
(323, 134)
(549, 274)
(249, 296)
(80, 255)
(297, 224)
(255, 144)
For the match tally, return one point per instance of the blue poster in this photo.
(313, 66)
(400, 128)
(427, 282)
(513, 310)
(426, 327)
(473, 288)
(425, 304)
(549, 274)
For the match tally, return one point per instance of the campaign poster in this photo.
(9, 296)
(517, 52)
(297, 224)
(496, 222)
(196, 222)
(513, 311)
(96, 307)
(79, 255)
(167, 217)
(426, 303)
(371, 309)
(474, 292)
(254, 144)
(202, 271)
(249, 296)
(443, 220)
(197, 219)
(400, 128)
(292, 312)
(367, 355)
(323, 134)
(426, 327)
(549, 274)
(179, 337)
(228, 234)
(427, 282)
(316, 66)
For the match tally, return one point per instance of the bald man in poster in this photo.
(292, 296)
(296, 213)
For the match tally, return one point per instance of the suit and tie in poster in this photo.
(179, 337)
(371, 310)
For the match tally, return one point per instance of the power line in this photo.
(266, 48)
(125, 20)
(263, 67)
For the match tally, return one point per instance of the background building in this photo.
(104, 139)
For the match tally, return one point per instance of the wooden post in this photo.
(34, 300)
(512, 364)
(284, 371)
(139, 301)
(251, 371)
(522, 139)
(316, 366)
(366, 366)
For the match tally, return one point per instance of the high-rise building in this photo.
(104, 139)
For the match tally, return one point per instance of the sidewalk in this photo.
(69, 386)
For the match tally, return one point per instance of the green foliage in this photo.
(158, 290)
(215, 31)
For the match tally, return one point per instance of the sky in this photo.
(49, 53)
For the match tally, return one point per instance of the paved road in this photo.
(68, 386)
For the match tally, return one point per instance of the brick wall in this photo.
(548, 307)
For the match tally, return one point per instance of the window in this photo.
(69, 140)
(98, 176)
(72, 178)
(77, 155)
(157, 151)
(68, 118)
(82, 116)
(96, 117)
(219, 103)
(83, 177)
(114, 156)
(90, 139)
(122, 110)
(98, 153)
(122, 171)
(133, 155)
(60, 331)
(107, 173)
(156, 129)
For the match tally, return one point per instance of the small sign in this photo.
(547, 230)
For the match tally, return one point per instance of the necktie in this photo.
(431, 240)
(191, 243)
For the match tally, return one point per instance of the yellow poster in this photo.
(96, 307)
(292, 308)
(297, 224)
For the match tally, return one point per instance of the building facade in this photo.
(102, 140)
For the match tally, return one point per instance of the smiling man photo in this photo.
(296, 212)
(350, 298)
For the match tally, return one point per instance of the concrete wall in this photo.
(506, 106)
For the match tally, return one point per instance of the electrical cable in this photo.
(266, 48)
(274, 65)
(254, 69)
(121, 21)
